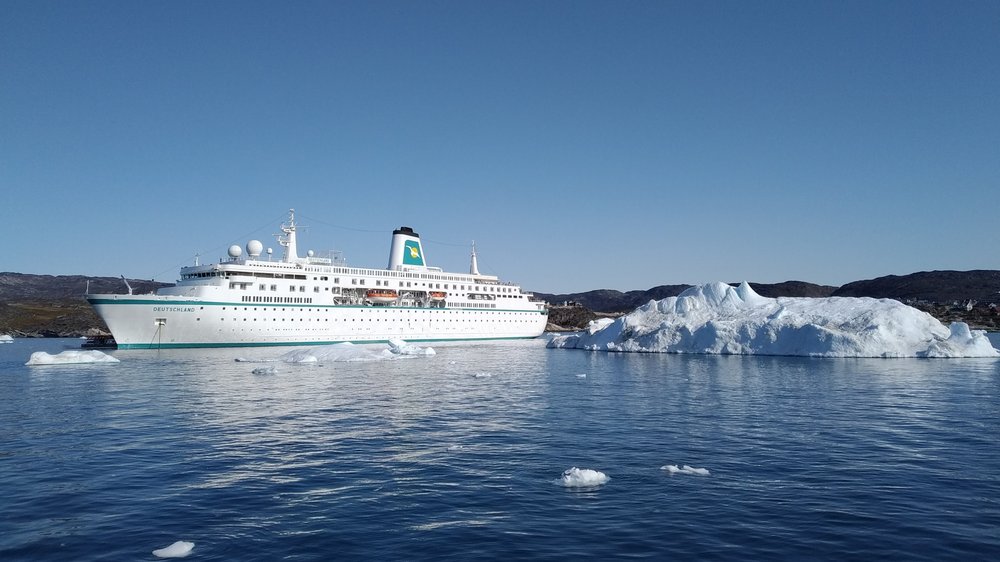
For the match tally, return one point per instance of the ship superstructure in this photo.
(256, 301)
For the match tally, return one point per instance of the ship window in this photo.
(302, 288)
(291, 288)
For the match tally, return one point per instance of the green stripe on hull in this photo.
(288, 344)
(286, 305)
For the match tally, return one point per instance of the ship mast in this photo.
(474, 266)
(288, 240)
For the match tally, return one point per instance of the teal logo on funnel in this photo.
(412, 254)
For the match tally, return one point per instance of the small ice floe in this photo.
(5, 338)
(265, 371)
(179, 549)
(454, 448)
(400, 347)
(673, 469)
(583, 478)
(482, 375)
(581, 375)
(348, 352)
(70, 357)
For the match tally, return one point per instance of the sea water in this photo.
(461, 455)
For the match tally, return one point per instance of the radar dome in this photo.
(254, 248)
(235, 251)
(310, 253)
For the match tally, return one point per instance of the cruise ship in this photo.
(254, 300)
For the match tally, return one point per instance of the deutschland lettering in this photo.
(173, 309)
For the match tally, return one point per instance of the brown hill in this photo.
(930, 286)
(53, 305)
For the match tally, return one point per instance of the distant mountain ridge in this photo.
(53, 305)
(28, 286)
(608, 300)
(981, 285)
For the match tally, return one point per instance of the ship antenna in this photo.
(127, 285)
(474, 267)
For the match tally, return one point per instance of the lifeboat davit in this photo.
(438, 295)
(381, 295)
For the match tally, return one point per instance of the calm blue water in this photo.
(458, 456)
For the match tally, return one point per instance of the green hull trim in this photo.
(299, 343)
(132, 302)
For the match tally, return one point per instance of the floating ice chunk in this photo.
(265, 371)
(400, 347)
(4, 338)
(482, 375)
(719, 319)
(347, 351)
(583, 478)
(581, 376)
(179, 549)
(673, 469)
(70, 357)
(599, 324)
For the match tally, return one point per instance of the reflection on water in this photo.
(452, 456)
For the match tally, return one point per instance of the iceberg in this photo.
(717, 318)
(6, 338)
(70, 358)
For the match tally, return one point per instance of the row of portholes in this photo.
(235, 319)
(401, 311)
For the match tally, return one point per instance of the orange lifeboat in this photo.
(438, 295)
(381, 295)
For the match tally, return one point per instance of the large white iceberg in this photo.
(719, 319)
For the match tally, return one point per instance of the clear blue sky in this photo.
(582, 145)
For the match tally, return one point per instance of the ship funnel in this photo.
(406, 252)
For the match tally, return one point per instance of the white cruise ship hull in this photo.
(164, 321)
